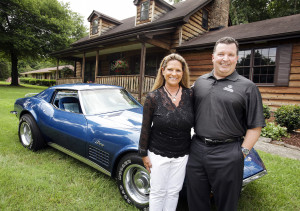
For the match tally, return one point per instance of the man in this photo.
(228, 122)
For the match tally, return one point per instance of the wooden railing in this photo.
(68, 81)
(129, 82)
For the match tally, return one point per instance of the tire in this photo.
(134, 181)
(29, 133)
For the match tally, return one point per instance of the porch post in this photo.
(75, 68)
(142, 71)
(83, 67)
(57, 66)
(97, 64)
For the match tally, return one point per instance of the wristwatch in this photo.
(245, 151)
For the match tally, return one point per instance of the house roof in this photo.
(180, 13)
(160, 1)
(101, 15)
(276, 28)
(48, 70)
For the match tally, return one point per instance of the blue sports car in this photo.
(100, 126)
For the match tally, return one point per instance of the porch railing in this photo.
(68, 81)
(129, 82)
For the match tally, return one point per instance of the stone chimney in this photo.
(219, 14)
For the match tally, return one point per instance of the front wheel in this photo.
(29, 133)
(134, 181)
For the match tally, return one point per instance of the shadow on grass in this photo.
(248, 200)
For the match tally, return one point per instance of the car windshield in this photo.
(106, 100)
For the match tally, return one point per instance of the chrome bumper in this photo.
(254, 177)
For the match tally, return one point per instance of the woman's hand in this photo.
(147, 163)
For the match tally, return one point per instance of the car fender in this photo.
(29, 107)
(121, 153)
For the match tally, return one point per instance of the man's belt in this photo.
(209, 141)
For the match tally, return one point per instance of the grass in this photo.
(51, 180)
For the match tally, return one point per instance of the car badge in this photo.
(99, 143)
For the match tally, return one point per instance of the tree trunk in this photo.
(14, 69)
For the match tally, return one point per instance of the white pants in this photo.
(166, 180)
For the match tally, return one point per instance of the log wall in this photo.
(194, 28)
(278, 96)
(201, 63)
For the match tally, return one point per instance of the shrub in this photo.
(32, 81)
(267, 112)
(288, 116)
(275, 132)
(41, 82)
(52, 82)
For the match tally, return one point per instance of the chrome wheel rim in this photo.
(136, 180)
(25, 134)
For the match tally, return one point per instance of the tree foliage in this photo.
(31, 29)
(247, 11)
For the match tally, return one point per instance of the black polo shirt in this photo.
(226, 108)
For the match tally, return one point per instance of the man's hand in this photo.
(147, 163)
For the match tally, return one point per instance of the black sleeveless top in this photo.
(166, 129)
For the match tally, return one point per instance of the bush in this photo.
(41, 82)
(267, 112)
(275, 132)
(288, 116)
(32, 81)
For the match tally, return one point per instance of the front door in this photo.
(89, 73)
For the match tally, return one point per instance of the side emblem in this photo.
(99, 143)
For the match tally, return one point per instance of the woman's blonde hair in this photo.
(160, 80)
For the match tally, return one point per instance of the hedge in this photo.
(41, 82)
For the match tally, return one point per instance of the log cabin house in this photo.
(269, 50)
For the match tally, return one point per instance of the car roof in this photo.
(85, 86)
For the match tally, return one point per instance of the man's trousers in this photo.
(216, 168)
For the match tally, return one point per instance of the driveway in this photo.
(282, 151)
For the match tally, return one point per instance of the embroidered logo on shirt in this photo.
(228, 88)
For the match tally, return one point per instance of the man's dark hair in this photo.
(227, 41)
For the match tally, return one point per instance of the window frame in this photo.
(144, 13)
(96, 26)
(204, 21)
(252, 66)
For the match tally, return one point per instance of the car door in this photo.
(67, 126)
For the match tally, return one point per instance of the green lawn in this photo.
(51, 180)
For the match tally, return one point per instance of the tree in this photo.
(247, 11)
(31, 29)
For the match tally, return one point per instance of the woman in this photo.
(165, 134)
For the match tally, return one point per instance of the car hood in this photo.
(131, 118)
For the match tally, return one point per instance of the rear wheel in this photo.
(29, 133)
(134, 181)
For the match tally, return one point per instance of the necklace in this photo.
(174, 97)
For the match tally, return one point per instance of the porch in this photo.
(130, 82)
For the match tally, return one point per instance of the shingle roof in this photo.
(106, 17)
(182, 10)
(48, 70)
(288, 26)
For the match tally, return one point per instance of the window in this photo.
(145, 11)
(95, 26)
(258, 65)
(205, 19)
(151, 66)
(67, 100)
